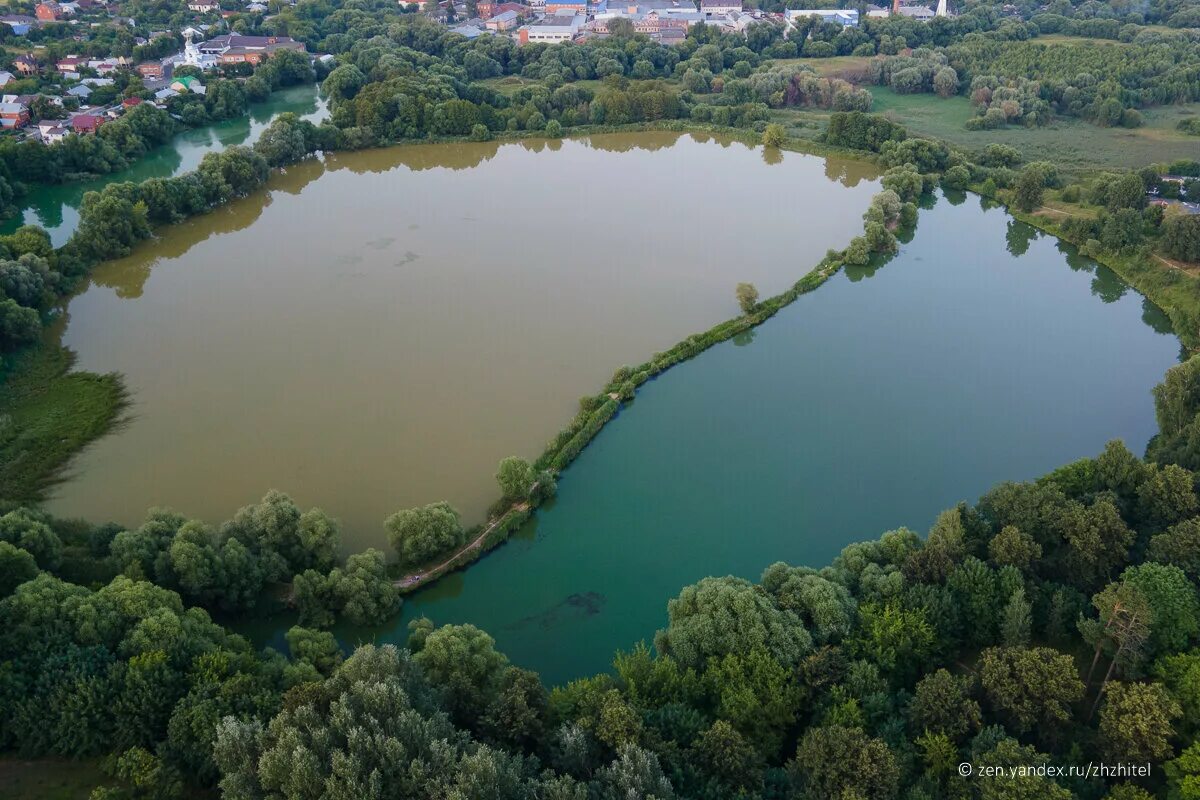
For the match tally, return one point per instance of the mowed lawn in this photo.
(1070, 143)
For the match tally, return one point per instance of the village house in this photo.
(70, 65)
(502, 22)
(188, 83)
(204, 6)
(19, 23)
(51, 11)
(6, 78)
(13, 115)
(52, 132)
(489, 8)
(27, 65)
(105, 67)
(86, 123)
(469, 31)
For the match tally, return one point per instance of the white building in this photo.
(552, 29)
(846, 17)
(719, 8)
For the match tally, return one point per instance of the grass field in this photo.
(49, 778)
(1071, 143)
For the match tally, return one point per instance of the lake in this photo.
(982, 353)
(56, 208)
(377, 330)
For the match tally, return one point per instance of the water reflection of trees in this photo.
(1107, 285)
(849, 172)
(1156, 319)
(650, 141)
(416, 157)
(1018, 236)
(127, 276)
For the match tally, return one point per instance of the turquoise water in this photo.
(56, 208)
(981, 353)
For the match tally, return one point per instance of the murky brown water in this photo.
(379, 330)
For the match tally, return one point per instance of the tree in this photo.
(1031, 689)
(344, 82)
(1012, 547)
(835, 761)
(1173, 606)
(1127, 191)
(462, 661)
(774, 135)
(756, 695)
(729, 615)
(1121, 631)
(1098, 540)
(619, 27)
(363, 591)
(1016, 620)
(942, 703)
(747, 297)
(1135, 723)
(516, 716)
(19, 326)
(318, 648)
(1184, 774)
(634, 773)
(1181, 236)
(1165, 496)
(899, 640)
(945, 82)
(1179, 545)
(515, 477)
(25, 530)
(16, 567)
(285, 141)
(727, 755)
(420, 534)
(826, 607)
(1028, 191)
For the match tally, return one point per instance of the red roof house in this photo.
(86, 123)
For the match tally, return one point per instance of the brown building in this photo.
(233, 48)
(13, 115)
(86, 123)
(27, 65)
(151, 70)
(48, 12)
